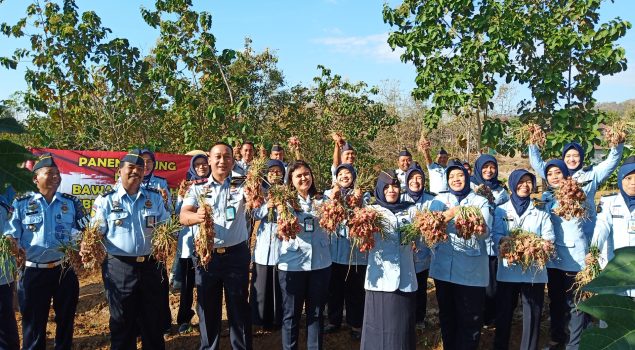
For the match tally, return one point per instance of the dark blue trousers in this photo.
(347, 289)
(562, 307)
(9, 339)
(186, 299)
(35, 290)
(460, 314)
(489, 316)
(134, 296)
(228, 272)
(422, 295)
(532, 296)
(265, 297)
(300, 288)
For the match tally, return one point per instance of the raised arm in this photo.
(535, 159)
(602, 171)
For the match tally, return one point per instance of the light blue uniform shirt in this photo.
(422, 251)
(500, 196)
(185, 243)
(571, 243)
(461, 261)
(390, 264)
(159, 183)
(340, 243)
(267, 246)
(127, 221)
(309, 250)
(615, 228)
(6, 276)
(41, 227)
(596, 175)
(240, 168)
(226, 200)
(533, 220)
(438, 182)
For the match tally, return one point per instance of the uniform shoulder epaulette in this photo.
(440, 192)
(199, 181)
(609, 195)
(70, 196)
(159, 177)
(151, 189)
(108, 192)
(587, 168)
(23, 197)
(237, 180)
(6, 206)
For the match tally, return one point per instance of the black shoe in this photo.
(185, 328)
(331, 328)
(356, 334)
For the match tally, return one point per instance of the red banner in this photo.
(86, 174)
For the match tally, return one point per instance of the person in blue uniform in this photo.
(573, 155)
(436, 168)
(420, 200)
(9, 338)
(459, 266)
(403, 163)
(228, 269)
(241, 167)
(198, 172)
(127, 215)
(513, 282)
(391, 281)
(40, 224)
(304, 265)
(265, 296)
(572, 245)
(343, 153)
(346, 288)
(486, 174)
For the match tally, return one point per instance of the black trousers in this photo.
(489, 316)
(346, 289)
(134, 297)
(265, 297)
(35, 290)
(562, 308)
(166, 313)
(9, 339)
(301, 288)
(422, 295)
(460, 314)
(186, 298)
(532, 296)
(228, 272)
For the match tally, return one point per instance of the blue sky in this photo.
(348, 36)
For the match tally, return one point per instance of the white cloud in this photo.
(372, 46)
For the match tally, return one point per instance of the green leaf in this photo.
(619, 314)
(10, 125)
(618, 275)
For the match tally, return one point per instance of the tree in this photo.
(13, 156)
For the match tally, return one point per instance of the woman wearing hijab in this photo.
(573, 155)
(391, 281)
(521, 213)
(571, 245)
(486, 174)
(304, 265)
(615, 227)
(420, 200)
(349, 265)
(152, 181)
(265, 296)
(198, 171)
(459, 267)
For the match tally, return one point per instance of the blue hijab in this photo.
(413, 169)
(520, 203)
(191, 172)
(147, 178)
(270, 164)
(559, 163)
(461, 194)
(384, 179)
(346, 190)
(627, 168)
(478, 179)
(577, 147)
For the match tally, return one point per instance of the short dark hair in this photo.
(302, 164)
(247, 143)
(231, 149)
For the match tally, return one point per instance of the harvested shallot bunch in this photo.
(469, 222)
(254, 196)
(363, 225)
(294, 142)
(183, 187)
(204, 240)
(432, 226)
(288, 224)
(532, 134)
(71, 258)
(280, 194)
(332, 213)
(486, 192)
(571, 200)
(164, 239)
(526, 249)
(591, 271)
(615, 134)
(93, 246)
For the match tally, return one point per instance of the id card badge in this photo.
(308, 225)
(230, 213)
(151, 220)
(631, 226)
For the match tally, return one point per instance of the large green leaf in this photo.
(618, 275)
(619, 314)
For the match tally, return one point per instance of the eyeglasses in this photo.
(204, 165)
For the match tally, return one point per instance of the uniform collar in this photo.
(121, 192)
(37, 196)
(212, 182)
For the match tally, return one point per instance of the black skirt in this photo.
(389, 321)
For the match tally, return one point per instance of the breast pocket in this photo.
(32, 223)
(64, 226)
(119, 222)
(469, 247)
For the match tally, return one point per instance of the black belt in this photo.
(225, 250)
(133, 259)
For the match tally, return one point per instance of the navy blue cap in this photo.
(276, 148)
(134, 157)
(442, 151)
(347, 147)
(404, 152)
(43, 161)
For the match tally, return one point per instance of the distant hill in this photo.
(619, 108)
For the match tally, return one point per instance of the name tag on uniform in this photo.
(151, 221)
(631, 226)
(618, 216)
(230, 213)
(308, 225)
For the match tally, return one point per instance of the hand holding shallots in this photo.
(469, 222)
(526, 249)
(363, 225)
(571, 200)
(432, 226)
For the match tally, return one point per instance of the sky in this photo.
(347, 36)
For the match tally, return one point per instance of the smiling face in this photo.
(525, 186)
(554, 176)
(47, 179)
(131, 176)
(149, 164)
(442, 159)
(391, 192)
(277, 155)
(415, 182)
(572, 158)
(488, 171)
(456, 179)
(344, 178)
(201, 166)
(348, 157)
(275, 175)
(404, 162)
(222, 161)
(247, 151)
(302, 179)
(628, 184)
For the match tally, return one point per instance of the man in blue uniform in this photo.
(8, 327)
(41, 223)
(127, 216)
(227, 268)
